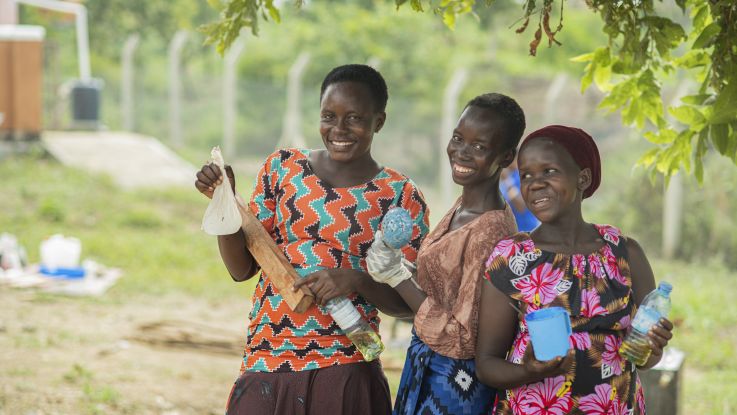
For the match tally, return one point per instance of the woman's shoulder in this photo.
(611, 234)
(517, 242)
(511, 258)
(284, 157)
(400, 182)
(492, 227)
(388, 173)
(284, 154)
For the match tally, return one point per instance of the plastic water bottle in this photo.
(635, 346)
(356, 328)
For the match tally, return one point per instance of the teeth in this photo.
(342, 143)
(460, 169)
(538, 201)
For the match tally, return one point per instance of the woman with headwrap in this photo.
(593, 271)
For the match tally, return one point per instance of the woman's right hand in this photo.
(209, 177)
(544, 369)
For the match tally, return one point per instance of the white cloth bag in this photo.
(222, 216)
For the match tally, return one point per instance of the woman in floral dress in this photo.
(599, 275)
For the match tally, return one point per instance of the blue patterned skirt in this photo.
(433, 384)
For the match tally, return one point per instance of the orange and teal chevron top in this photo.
(318, 227)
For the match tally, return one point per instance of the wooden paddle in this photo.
(272, 260)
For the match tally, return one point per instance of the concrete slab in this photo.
(132, 160)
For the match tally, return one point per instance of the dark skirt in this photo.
(433, 384)
(356, 388)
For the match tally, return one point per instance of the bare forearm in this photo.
(412, 295)
(384, 297)
(499, 373)
(239, 262)
(651, 361)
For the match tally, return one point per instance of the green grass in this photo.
(705, 311)
(155, 237)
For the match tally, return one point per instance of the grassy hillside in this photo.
(153, 235)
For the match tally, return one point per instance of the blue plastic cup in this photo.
(550, 329)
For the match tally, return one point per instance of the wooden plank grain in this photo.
(272, 261)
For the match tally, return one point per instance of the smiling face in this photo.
(476, 150)
(348, 120)
(551, 183)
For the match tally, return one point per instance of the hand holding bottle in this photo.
(658, 337)
(651, 329)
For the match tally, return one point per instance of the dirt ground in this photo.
(172, 355)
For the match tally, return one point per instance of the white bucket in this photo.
(59, 251)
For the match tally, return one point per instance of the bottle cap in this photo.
(665, 287)
(397, 227)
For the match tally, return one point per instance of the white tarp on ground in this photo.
(132, 160)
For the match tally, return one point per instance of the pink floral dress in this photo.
(596, 289)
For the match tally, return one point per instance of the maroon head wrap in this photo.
(579, 145)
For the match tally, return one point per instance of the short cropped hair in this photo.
(363, 74)
(506, 108)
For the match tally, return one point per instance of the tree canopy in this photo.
(646, 44)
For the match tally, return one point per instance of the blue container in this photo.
(61, 272)
(550, 330)
(396, 228)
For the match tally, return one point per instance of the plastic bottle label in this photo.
(645, 318)
(344, 313)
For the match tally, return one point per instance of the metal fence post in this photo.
(127, 82)
(230, 85)
(292, 127)
(551, 98)
(175, 116)
(449, 115)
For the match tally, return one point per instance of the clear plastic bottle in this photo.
(635, 346)
(356, 328)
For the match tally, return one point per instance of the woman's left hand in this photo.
(659, 336)
(329, 283)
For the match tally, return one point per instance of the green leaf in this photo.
(619, 95)
(701, 148)
(707, 36)
(692, 59)
(698, 170)
(697, 99)
(647, 159)
(602, 75)
(732, 150)
(665, 136)
(725, 104)
(273, 12)
(689, 116)
(666, 33)
(700, 15)
(588, 76)
(586, 57)
(417, 5)
(449, 18)
(720, 137)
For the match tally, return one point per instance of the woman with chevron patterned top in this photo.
(593, 271)
(439, 372)
(322, 207)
